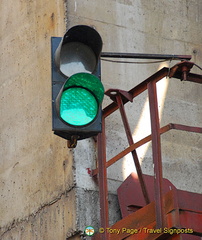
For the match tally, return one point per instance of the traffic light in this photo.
(77, 91)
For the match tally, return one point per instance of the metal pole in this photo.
(102, 178)
(156, 151)
(134, 154)
(145, 56)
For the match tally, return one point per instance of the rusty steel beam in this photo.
(134, 153)
(102, 181)
(191, 220)
(186, 128)
(156, 152)
(192, 77)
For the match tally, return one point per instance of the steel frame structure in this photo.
(120, 98)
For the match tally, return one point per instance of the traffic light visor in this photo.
(77, 57)
(78, 51)
(80, 99)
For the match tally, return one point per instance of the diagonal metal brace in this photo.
(117, 96)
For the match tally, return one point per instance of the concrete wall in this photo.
(46, 189)
(37, 197)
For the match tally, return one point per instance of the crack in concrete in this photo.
(16, 222)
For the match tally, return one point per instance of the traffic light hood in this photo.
(79, 50)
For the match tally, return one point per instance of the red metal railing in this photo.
(120, 97)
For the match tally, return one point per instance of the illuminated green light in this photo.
(78, 106)
(87, 81)
(79, 103)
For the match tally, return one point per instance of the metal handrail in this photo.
(180, 71)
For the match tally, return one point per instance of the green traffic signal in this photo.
(80, 99)
(78, 106)
(77, 91)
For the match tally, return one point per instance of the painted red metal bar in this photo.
(102, 181)
(156, 152)
(162, 130)
(185, 128)
(130, 141)
(137, 90)
(191, 77)
(194, 78)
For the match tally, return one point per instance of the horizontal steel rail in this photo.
(148, 138)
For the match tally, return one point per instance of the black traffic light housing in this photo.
(77, 52)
